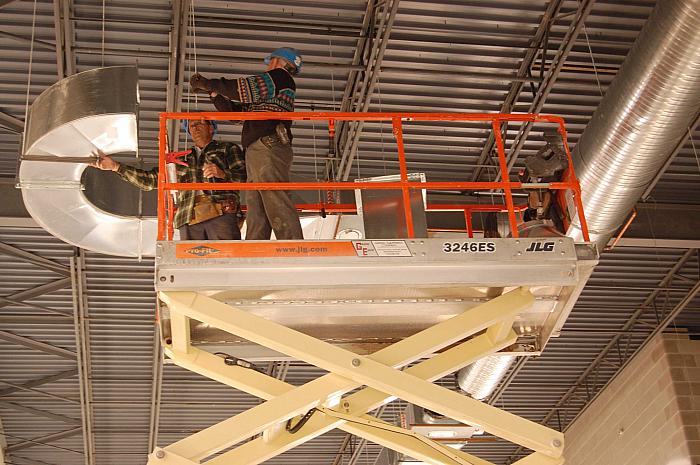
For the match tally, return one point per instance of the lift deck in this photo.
(361, 316)
(387, 316)
(366, 294)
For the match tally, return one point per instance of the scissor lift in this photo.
(387, 316)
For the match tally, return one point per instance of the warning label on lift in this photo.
(382, 249)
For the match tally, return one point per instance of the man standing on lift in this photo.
(267, 143)
(201, 215)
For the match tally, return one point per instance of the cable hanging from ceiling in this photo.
(29, 74)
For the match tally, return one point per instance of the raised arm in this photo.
(143, 179)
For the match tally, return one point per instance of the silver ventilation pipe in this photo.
(92, 110)
(644, 114)
(482, 377)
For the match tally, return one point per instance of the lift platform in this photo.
(366, 294)
(387, 316)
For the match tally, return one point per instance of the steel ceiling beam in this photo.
(176, 68)
(40, 413)
(177, 56)
(338, 460)
(38, 345)
(156, 390)
(11, 123)
(19, 460)
(550, 77)
(204, 57)
(20, 387)
(39, 44)
(351, 83)
(33, 307)
(34, 259)
(34, 319)
(360, 51)
(82, 344)
(65, 38)
(60, 37)
(39, 382)
(516, 87)
(37, 291)
(44, 439)
(362, 91)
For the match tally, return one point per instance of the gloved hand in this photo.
(199, 83)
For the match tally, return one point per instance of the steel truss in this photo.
(72, 276)
(489, 325)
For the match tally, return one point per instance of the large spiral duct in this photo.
(644, 114)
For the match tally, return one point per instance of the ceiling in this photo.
(462, 56)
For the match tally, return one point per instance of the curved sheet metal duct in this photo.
(644, 114)
(93, 109)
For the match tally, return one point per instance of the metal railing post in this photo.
(398, 133)
(162, 207)
(505, 179)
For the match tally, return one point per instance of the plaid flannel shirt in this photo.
(226, 155)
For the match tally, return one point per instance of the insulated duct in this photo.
(482, 377)
(644, 114)
(96, 109)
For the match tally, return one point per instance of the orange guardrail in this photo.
(570, 182)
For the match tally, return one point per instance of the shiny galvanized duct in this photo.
(96, 109)
(644, 114)
(482, 377)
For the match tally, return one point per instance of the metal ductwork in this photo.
(482, 377)
(644, 114)
(96, 109)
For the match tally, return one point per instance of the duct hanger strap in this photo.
(55, 159)
(77, 185)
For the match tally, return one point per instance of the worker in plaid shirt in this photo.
(200, 215)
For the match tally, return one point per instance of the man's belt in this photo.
(280, 136)
(205, 208)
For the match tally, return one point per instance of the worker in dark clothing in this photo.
(200, 215)
(267, 143)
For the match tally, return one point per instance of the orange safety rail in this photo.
(570, 182)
